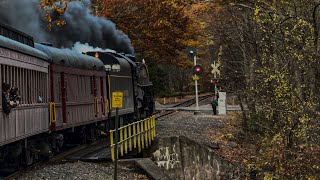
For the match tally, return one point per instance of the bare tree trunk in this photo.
(315, 26)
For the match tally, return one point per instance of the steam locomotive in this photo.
(64, 96)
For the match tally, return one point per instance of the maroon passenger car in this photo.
(76, 87)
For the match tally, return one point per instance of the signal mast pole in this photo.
(196, 86)
(197, 70)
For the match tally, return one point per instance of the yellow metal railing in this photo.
(102, 106)
(138, 134)
(107, 105)
(53, 113)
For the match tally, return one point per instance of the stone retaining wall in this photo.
(182, 158)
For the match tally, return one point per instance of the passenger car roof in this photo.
(22, 48)
(67, 57)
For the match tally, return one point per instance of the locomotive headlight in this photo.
(115, 67)
(108, 67)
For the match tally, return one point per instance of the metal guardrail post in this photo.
(112, 145)
(130, 137)
(152, 127)
(134, 136)
(139, 138)
(149, 130)
(154, 123)
(121, 141)
(141, 134)
(145, 132)
(125, 139)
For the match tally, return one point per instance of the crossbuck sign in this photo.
(215, 69)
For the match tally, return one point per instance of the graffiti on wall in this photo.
(167, 157)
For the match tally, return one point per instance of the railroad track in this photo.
(97, 152)
(186, 103)
(56, 159)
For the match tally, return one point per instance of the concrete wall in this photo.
(182, 158)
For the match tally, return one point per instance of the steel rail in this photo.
(186, 103)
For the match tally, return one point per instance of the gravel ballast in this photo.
(195, 127)
(78, 171)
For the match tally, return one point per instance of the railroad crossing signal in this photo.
(197, 70)
(215, 69)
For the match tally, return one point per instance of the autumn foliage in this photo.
(53, 10)
(156, 28)
(272, 55)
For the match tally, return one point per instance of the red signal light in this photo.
(197, 70)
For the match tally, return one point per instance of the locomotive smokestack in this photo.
(80, 26)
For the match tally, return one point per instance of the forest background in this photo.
(269, 52)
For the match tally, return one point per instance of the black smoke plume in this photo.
(81, 26)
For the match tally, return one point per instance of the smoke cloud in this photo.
(23, 15)
(83, 48)
(81, 26)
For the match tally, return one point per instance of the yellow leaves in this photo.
(60, 23)
(256, 11)
(250, 166)
(310, 178)
(275, 17)
(278, 139)
(58, 9)
(277, 82)
(191, 43)
(209, 42)
(267, 176)
(58, 6)
(270, 78)
(48, 18)
(299, 56)
(229, 136)
(305, 118)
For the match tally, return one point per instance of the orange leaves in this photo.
(56, 7)
(156, 28)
